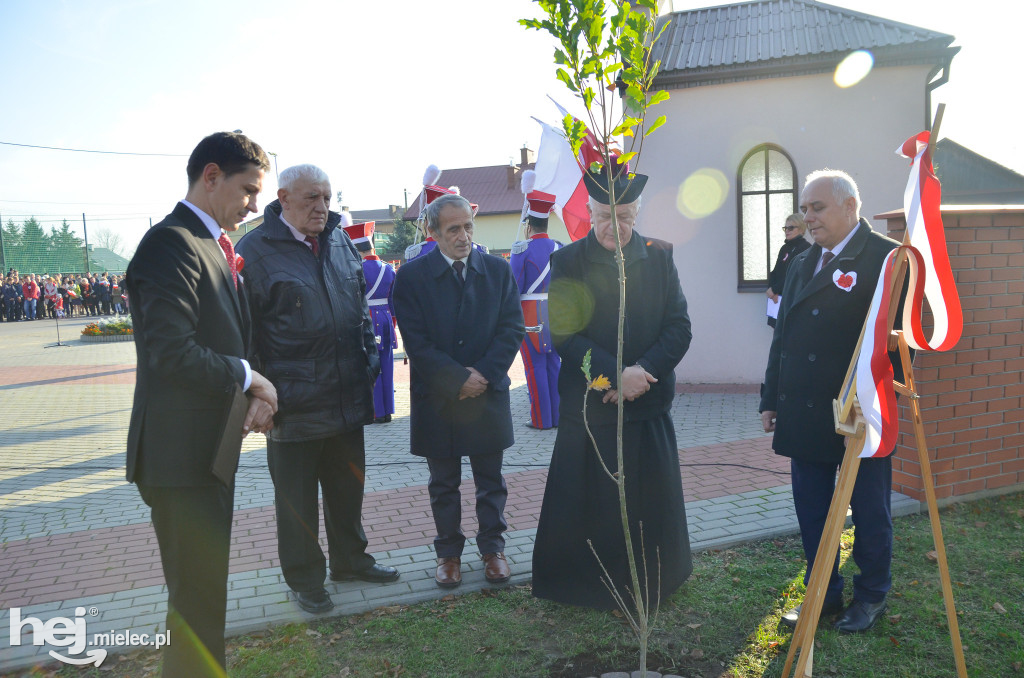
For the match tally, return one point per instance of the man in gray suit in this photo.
(461, 322)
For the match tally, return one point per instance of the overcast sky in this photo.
(372, 92)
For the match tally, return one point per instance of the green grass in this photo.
(722, 623)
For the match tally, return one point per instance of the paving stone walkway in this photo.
(74, 534)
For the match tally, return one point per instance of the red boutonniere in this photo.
(239, 263)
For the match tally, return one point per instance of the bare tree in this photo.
(110, 240)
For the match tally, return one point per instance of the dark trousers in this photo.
(871, 503)
(337, 465)
(446, 503)
(193, 528)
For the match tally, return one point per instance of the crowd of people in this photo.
(42, 296)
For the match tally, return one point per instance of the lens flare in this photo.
(854, 68)
(702, 193)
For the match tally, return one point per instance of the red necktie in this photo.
(314, 244)
(229, 251)
(825, 258)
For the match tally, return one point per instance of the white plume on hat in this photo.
(529, 181)
(455, 190)
(346, 219)
(431, 176)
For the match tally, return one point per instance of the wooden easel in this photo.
(850, 423)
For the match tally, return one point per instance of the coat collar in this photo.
(191, 221)
(438, 265)
(274, 228)
(824, 277)
(195, 225)
(634, 250)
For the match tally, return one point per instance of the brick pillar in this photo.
(971, 396)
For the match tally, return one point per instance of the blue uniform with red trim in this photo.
(529, 261)
(380, 276)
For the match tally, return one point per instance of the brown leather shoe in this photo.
(448, 574)
(496, 568)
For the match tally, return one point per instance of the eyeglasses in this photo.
(787, 229)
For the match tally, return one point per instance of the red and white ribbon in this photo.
(921, 202)
(929, 276)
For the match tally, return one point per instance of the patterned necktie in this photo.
(459, 266)
(314, 244)
(825, 258)
(229, 251)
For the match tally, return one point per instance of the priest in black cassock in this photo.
(580, 500)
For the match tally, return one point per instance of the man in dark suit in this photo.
(459, 314)
(191, 338)
(824, 302)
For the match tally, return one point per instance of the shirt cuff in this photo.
(248, 375)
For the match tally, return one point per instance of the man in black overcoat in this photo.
(581, 502)
(192, 334)
(459, 314)
(824, 302)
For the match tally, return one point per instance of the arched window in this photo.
(767, 195)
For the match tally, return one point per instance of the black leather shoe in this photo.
(378, 574)
(829, 609)
(860, 616)
(314, 602)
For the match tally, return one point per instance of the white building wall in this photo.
(819, 125)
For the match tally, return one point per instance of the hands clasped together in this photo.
(636, 381)
(262, 405)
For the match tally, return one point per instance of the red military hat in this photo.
(541, 204)
(435, 192)
(361, 235)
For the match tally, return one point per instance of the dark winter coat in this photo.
(446, 327)
(787, 253)
(583, 302)
(312, 331)
(820, 320)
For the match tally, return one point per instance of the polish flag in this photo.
(560, 173)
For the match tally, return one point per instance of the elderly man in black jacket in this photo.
(461, 322)
(581, 503)
(314, 341)
(824, 302)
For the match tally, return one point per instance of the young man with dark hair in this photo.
(192, 335)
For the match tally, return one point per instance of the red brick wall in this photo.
(972, 396)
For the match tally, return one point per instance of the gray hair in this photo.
(310, 173)
(594, 202)
(433, 211)
(843, 185)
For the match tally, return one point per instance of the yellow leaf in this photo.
(600, 383)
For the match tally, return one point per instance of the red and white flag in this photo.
(929, 276)
(560, 173)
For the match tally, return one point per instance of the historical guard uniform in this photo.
(531, 267)
(581, 504)
(380, 276)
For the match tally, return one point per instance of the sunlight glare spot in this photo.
(702, 193)
(854, 68)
